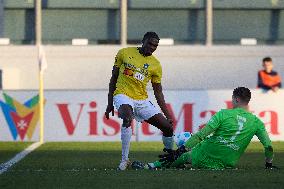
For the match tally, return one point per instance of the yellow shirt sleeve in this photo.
(119, 58)
(157, 75)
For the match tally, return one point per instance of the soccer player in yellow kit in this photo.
(134, 67)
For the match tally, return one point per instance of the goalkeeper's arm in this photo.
(268, 149)
(212, 125)
(199, 136)
(268, 157)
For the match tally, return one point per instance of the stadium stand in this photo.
(98, 21)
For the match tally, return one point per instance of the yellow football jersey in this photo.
(135, 71)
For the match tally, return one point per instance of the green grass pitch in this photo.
(9, 149)
(92, 165)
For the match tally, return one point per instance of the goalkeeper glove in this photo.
(167, 150)
(270, 166)
(171, 156)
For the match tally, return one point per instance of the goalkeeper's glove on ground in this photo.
(270, 166)
(171, 156)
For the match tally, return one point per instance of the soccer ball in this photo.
(181, 138)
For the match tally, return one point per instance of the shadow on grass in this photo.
(100, 159)
(96, 169)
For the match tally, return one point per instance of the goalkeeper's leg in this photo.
(185, 158)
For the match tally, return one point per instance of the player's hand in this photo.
(171, 156)
(270, 166)
(109, 109)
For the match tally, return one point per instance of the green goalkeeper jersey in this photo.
(232, 131)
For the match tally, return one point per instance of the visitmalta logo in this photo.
(21, 118)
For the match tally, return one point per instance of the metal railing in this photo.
(123, 22)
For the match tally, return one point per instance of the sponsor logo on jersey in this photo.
(146, 66)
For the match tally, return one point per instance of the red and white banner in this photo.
(79, 115)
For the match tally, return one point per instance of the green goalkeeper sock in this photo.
(157, 164)
(183, 159)
(154, 165)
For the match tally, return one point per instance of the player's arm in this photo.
(112, 86)
(199, 136)
(112, 83)
(158, 92)
(210, 127)
(263, 137)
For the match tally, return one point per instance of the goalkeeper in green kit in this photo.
(220, 144)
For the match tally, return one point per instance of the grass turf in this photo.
(10, 149)
(92, 165)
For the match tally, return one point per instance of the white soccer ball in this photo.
(181, 138)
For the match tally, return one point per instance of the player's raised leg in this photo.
(159, 121)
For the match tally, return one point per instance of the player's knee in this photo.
(126, 122)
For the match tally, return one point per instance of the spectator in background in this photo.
(268, 79)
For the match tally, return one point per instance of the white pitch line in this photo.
(5, 166)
